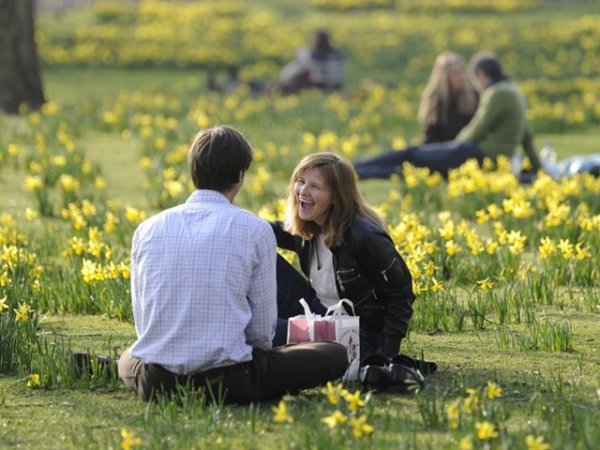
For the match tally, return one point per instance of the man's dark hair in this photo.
(218, 157)
(488, 63)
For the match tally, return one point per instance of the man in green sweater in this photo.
(497, 128)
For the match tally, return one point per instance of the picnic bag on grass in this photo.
(336, 325)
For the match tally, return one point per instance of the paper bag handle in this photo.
(338, 308)
(310, 319)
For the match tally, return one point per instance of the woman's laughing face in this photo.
(314, 196)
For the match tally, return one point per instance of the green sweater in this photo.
(499, 124)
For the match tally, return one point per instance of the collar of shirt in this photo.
(207, 195)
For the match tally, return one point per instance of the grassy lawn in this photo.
(93, 417)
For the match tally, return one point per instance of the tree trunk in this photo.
(20, 78)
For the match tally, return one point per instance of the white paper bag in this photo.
(337, 325)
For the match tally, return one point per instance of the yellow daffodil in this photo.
(58, 160)
(399, 142)
(546, 248)
(481, 216)
(100, 183)
(582, 252)
(536, 443)
(34, 183)
(491, 246)
(522, 209)
(485, 284)
(465, 443)
(452, 248)
(129, 439)
(69, 183)
(429, 267)
(447, 231)
(475, 245)
(493, 390)
(174, 187)
(3, 303)
(30, 214)
(433, 179)
(516, 242)
(22, 312)
(485, 431)
(418, 287)
(4, 279)
(470, 404)
(281, 414)
(493, 211)
(13, 150)
(335, 419)
(354, 400)
(453, 414)
(393, 196)
(501, 232)
(145, 163)
(334, 393)
(508, 205)
(436, 285)
(566, 248)
(34, 381)
(88, 208)
(557, 215)
(125, 270)
(134, 215)
(360, 427)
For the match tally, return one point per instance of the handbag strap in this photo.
(339, 310)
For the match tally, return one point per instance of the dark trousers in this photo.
(269, 375)
(438, 157)
(291, 287)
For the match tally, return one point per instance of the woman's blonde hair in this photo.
(437, 95)
(339, 176)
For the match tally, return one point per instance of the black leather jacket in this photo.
(370, 273)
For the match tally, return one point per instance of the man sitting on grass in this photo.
(204, 293)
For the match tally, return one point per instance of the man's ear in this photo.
(241, 176)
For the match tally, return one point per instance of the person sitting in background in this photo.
(497, 128)
(345, 252)
(448, 101)
(317, 66)
(203, 289)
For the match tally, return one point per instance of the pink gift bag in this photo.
(336, 325)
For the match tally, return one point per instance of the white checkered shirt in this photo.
(203, 285)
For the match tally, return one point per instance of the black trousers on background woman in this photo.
(438, 157)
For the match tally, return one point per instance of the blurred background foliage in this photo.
(550, 47)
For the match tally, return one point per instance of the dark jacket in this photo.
(442, 132)
(370, 273)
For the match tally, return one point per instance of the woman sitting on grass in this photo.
(345, 252)
(448, 101)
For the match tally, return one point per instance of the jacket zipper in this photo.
(383, 272)
(337, 275)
